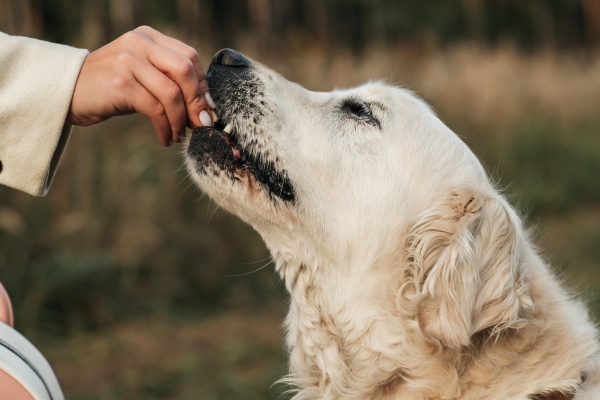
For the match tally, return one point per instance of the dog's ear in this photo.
(464, 258)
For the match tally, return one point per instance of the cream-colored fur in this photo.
(410, 276)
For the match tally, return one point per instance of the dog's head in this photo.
(348, 177)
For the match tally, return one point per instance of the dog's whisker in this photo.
(251, 272)
(208, 217)
(259, 261)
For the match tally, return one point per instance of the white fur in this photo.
(410, 276)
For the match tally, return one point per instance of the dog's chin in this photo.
(213, 148)
(214, 152)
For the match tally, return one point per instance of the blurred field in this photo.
(136, 286)
(126, 275)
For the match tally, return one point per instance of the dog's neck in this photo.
(338, 338)
(358, 344)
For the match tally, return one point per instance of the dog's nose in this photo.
(230, 58)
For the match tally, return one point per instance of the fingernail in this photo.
(205, 118)
(209, 100)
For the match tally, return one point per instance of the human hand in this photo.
(142, 71)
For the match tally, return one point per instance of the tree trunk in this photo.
(591, 15)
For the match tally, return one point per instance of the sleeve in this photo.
(37, 80)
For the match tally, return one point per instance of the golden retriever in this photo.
(410, 276)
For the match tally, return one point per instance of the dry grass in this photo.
(493, 87)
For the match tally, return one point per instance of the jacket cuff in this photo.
(36, 87)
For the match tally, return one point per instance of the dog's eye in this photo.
(358, 110)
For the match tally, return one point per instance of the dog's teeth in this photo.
(209, 100)
(228, 128)
(214, 116)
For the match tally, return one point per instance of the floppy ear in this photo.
(464, 253)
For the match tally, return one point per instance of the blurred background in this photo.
(136, 286)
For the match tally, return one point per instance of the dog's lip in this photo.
(236, 160)
(222, 128)
(226, 134)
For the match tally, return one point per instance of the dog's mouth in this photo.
(239, 145)
(219, 142)
(217, 149)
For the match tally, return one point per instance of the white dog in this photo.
(410, 276)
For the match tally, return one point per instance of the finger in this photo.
(194, 102)
(187, 51)
(181, 70)
(168, 93)
(146, 104)
(137, 98)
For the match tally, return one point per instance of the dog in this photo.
(410, 276)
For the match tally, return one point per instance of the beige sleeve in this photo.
(37, 79)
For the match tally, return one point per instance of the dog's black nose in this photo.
(230, 58)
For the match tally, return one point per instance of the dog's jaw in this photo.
(214, 153)
(244, 155)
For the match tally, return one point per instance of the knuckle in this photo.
(185, 67)
(124, 58)
(158, 110)
(172, 91)
(191, 54)
(130, 39)
(121, 82)
(143, 29)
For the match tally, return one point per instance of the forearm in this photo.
(36, 85)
